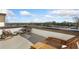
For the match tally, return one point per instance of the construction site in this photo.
(27, 36)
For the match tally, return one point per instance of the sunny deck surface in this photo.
(47, 34)
(17, 42)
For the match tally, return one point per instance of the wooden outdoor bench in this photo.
(50, 42)
(56, 43)
(72, 43)
(41, 45)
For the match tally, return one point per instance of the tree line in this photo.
(54, 23)
(75, 23)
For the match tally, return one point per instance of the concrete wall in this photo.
(2, 24)
(51, 34)
(12, 30)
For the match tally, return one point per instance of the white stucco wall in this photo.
(2, 24)
(3, 11)
(12, 30)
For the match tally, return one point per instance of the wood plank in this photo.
(72, 43)
(40, 45)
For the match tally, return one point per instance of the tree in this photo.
(76, 22)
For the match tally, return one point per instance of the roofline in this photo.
(2, 14)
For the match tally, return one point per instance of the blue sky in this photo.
(40, 15)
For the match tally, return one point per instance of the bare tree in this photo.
(76, 22)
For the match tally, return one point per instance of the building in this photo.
(2, 19)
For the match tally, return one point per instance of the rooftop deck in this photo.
(26, 41)
(16, 42)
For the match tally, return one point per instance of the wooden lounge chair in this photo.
(50, 41)
(55, 42)
(72, 43)
(41, 45)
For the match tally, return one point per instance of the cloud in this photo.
(10, 13)
(36, 20)
(25, 13)
(41, 20)
(10, 16)
(65, 12)
(11, 19)
(49, 16)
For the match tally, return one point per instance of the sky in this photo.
(40, 15)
